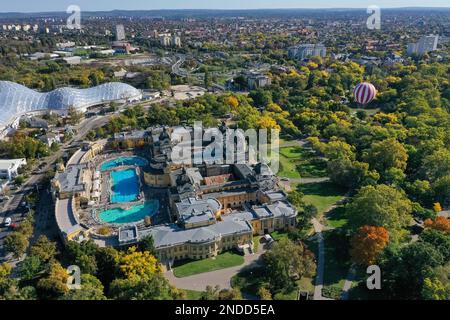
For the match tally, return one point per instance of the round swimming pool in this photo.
(133, 214)
(124, 161)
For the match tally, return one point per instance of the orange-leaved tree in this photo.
(367, 243)
(440, 224)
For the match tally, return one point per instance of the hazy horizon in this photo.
(132, 5)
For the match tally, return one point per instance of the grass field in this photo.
(224, 260)
(297, 162)
(278, 235)
(193, 295)
(337, 218)
(322, 194)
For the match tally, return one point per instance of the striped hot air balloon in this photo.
(364, 92)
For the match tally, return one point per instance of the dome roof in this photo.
(16, 99)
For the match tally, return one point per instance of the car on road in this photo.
(8, 222)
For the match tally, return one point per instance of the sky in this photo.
(106, 5)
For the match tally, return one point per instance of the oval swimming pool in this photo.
(124, 161)
(133, 214)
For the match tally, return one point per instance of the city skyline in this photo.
(60, 6)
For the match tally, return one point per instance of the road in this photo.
(10, 207)
(220, 277)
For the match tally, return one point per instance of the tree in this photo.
(16, 243)
(75, 116)
(437, 207)
(19, 180)
(136, 264)
(264, 293)
(44, 249)
(441, 189)
(367, 243)
(229, 294)
(440, 224)
(6, 283)
(380, 206)
(147, 244)
(287, 261)
(387, 154)
(434, 289)
(91, 289)
(31, 267)
(107, 259)
(54, 285)
(83, 255)
(155, 287)
(437, 164)
(87, 263)
(405, 270)
(440, 240)
(296, 198)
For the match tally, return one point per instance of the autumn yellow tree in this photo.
(136, 264)
(232, 101)
(437, 207)
(367, 243)
(440, 224)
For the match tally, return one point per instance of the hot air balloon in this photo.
(364, 92)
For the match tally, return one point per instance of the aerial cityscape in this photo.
(225, 152)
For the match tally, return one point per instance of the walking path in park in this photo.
(318, 227)
(348, 283)
(220, 277)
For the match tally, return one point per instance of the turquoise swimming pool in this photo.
(124, 161)
(124, 186)
(134, 214)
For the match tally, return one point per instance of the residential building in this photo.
(305, 51)
(257, 80)
(120, 32)
(9, 168)
(424, 45)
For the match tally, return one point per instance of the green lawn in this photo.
(297, 162)
(224, 260)
(278, 235)
(249, 280)
(322, 194)
(193, 295)
(337, 218)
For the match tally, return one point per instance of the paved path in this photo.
(294, 143)
(220, 277)
(308, 180)
(348, 283)
(318, 227)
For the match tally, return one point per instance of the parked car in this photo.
(8, 222)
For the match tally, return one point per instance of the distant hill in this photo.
(214, 12)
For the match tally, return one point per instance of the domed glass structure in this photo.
(16, 99)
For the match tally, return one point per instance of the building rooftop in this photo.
(70, 179)
(170, 235)
(16, 99)
(193, 210)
